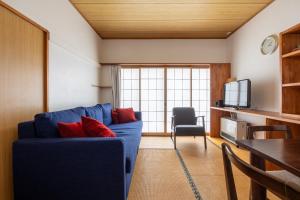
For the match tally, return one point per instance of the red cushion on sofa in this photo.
(70, 130)
(94, 128)
(115, 117)
(125, 115)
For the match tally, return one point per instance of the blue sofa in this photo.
(46, 167)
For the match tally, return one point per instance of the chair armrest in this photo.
(172, 122)
(200, 116)
(203, 122)
(138, 115)
(79, 168)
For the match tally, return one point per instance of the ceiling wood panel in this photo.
(125, 12)
(158, 35)
(164, 26)
(167, 18)
(174, 1)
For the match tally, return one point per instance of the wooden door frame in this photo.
(46, 46)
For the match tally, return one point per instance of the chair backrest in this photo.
(274, 128)
(257, 175)
(184, 116)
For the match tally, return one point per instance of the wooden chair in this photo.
(274, 128)
(284, 190)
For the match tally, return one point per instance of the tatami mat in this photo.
(158, 174)
(148, 142)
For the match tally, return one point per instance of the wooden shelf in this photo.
(292, 30)
(261, 113)
(291, 85)
(290, 71)
(295, 53)
(102, 86)
(105, 86)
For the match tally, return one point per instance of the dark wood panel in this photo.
(291, 70)
(295, 129)
(219, 73)
(290, 100)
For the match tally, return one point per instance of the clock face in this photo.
(269, 45)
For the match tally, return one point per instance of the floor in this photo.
(159, 175)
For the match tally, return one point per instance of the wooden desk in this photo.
(284, 153)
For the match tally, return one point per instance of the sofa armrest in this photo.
(60, 169)
(138, 115)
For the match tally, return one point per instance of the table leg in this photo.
(257, 191)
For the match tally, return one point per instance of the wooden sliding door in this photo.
(23, 83)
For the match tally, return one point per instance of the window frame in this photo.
(166, 66)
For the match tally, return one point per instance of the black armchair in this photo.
(184, 123)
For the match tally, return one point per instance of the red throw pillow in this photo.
(70, 130)
(125, 115)
(94, 128)
(115, 117)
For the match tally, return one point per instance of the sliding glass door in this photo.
(201, 94)
(178, 90)
(152, 99)
(156, 90)
(130, 88)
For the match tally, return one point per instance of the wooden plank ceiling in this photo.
(146, 19)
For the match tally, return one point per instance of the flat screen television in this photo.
(238, 94)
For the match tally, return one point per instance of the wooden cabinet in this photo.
(290, 71)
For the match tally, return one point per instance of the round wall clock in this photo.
(269, 45)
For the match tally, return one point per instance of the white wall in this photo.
(164, 51)
(106, 93)
(247, 60)
(159, 51)
(74, 50)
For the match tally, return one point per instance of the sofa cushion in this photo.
(127, 128)
(106, 109)
(125, 115)
(46, 123)
(95, 112)
(115, 117)
(94, 128)
(70, 130)
(189, 130)
(26, 130)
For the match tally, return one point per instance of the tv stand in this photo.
(271, 118)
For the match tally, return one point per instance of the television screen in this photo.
(238, 93)
(231, 94)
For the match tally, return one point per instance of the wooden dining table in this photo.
(284, 153)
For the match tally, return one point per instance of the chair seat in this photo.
(189, 130)
(288, 178)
